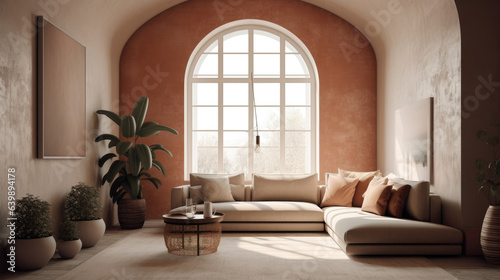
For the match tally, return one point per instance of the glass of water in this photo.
(190, 208)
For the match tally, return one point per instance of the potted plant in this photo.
(83, 205)
(127, 173)
(69, 243)
(489, 178)
(35, 244)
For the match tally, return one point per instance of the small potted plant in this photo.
(83, 205)
(69, 243)
(489, 177)
(35, 244)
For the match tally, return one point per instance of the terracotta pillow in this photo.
(339, 191)
(397, 202)
(376, 198)
(364, 180)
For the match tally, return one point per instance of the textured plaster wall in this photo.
(154, 62)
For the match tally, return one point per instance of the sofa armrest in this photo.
(178, 196)
(435, 208)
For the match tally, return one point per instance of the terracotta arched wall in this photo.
(154, 60)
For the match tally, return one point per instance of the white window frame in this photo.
(284, 35)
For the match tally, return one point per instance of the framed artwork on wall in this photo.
(414, 130)
(61, 93)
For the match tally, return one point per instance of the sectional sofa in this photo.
(293, 203)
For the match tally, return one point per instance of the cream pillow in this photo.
(339, 191)
(216, 189)
(376, 197)
(236, 181)
(364, 180)
(196, 194)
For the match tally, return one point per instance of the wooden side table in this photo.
(195, 236)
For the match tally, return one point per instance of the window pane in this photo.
(236, 42)
(213, 48)
(267, 161)
(205, 118)
(205, 94)
(268, 118)
(298, 139)
(297, 94)
(267, 65)
(289, 48)
(267, 94)
(205, 139)
(235, 94)
(235, 160)
(266, 42)
(205, 160)
(297, 118)
(207, 66)
(295, 66)
(235, 65)
(235, 139)
(236, 118)
(296, 161)
(268, 139)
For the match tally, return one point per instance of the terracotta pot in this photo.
(132, 213)
(490, 235)
(69, 249)
(34, 253)
(90, 232)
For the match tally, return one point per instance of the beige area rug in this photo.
(143, 255)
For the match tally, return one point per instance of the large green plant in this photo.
(489, 170)
(33, 218)
(125, 175)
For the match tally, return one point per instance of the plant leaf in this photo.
(156, 182)
(139, 111)
(479, 163)
(143, 153)
(160, 147)
(155, 129)
(128, 126)
(116, 185)
(480, 177)
(160, 167)
(114, 169)
(133, 162)
(122, 147)
(105, 157)
(492, 140)
(107, 136)
(113, 116)
(135, 184)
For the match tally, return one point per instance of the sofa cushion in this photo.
(196, 194)
(364, 179)
(339, 191)
(285, 187)
(236, 181)
(377, 196)
(264, 211)
(417, 204)
(216, 189)
(397, 202)
(354, 226)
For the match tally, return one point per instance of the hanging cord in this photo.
(257, 138)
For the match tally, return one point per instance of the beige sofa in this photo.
(291, 203)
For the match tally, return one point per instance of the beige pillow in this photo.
(285, 187)
(236, 181)
(397, 202)
(216, 189)
(417, 204)
(339, 191)
(364, 180)
(376, 198)
(196, 194)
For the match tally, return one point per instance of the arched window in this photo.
(224, 114)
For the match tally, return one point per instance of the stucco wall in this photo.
(347, 83)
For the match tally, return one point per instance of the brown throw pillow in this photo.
(364, 180)
(216, 189)
(397, 202)
(376, 198)
(339, 191)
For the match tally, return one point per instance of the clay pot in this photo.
(490, 235)
(69, 249)
(34, 253)
(90, 232)
(132, 213)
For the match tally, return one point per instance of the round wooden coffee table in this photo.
(192, 236)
